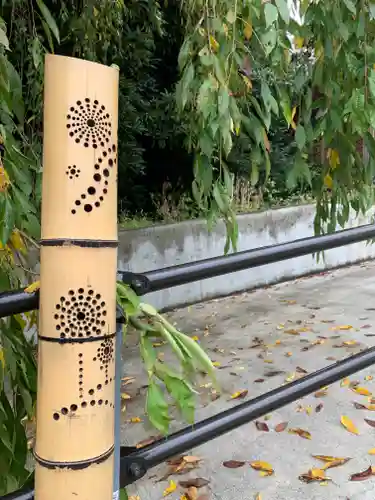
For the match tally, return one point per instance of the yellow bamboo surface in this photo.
(77, 324)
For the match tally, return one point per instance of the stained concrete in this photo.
(228, 329)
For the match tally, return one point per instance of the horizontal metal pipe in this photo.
(218, 266)
(216, 426)
(135, 465)
(19, 301)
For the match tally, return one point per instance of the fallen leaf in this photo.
(344, 382)
(205, 496)
(127, 380)
(125, 396)
(134, 497)
(300, 432)
(239, 394)
(146, 442)
(331, 358)
(195, 337)
(292, 331)
(261, 426)
(191, 459)
(372, 451)
(348, 424)
(321, 393)
(264, 467)
(274, 373)
(288, 354)
(233, 464)
(301, 370)
(362, 476)
(366, 326)
(308, 410)
(197, 482)
(216, 364)
(135, 420)
(269, 361)
(319, 408)
(313, 475)
(362, 391)
(258, 496)
(259, 380)
(335, 463)
(192, 493)
(371, 423)
(342, 327)
(290, 377)
(281, 427)
(171, 488)
(368, 377)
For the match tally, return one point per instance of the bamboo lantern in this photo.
(76, 361)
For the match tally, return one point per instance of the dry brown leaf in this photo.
(171, 488)
(288, 354)
(362, 391)
(197, 482)
(263, 467)
(362, 476)
(365, 326)
(301, 370)
(319, 408)
(292, 331)
(344, 382)
(300, 432)
(281, 427)
(321, 393)
(258, 496)
(146, 442)
(261, 426)
(259, 380)
(191, 493)
(127, 380)
(360, 406)
(371, 423)
(239, 394)
(233, 464)
(368, 378)
(348, 424)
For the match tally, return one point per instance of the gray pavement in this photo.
(286, 329)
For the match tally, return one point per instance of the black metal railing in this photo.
(134, 462)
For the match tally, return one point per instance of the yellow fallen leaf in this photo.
(33, 287)
(372, 451)
(361, 390)
(239, 394)
(191, 459)
(348, 424)
(196, 338)
(280, 326)
(292, 331)
(258, 496)
(269, 361)
(335, 463)
(369, 377)
(290, 377)
(135, 420)
(342, 327)
(216, 363)
(350, 342)
(344, 382)
(318, 474)
(124, 395)
(264, 467)
(309, 410)
(171, 488)
(327, 458)
(288, 354)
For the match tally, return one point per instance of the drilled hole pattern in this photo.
(94, 395)
(81, 313)
(73, 171)
(89, 124)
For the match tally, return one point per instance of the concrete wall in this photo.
(162, 246)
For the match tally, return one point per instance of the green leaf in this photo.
(283, 9)
(49, 19)
(4, 39)
(350, 5)
(6, 220)
(183, 396)
(300, 137)
(270, 14)
(223, 99)
(157, 408)
(148, 353)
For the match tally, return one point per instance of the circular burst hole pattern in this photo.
(105, 357)
(80, 314)
(89, 123)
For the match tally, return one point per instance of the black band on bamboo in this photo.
(67, 242)
(76, 340)
(81, 464)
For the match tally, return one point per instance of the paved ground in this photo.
(311, 310)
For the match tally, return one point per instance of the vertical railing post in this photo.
(77, 328)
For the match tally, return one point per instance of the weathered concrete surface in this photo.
(162, 246)
(320, 303)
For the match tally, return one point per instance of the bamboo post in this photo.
(76, 357)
